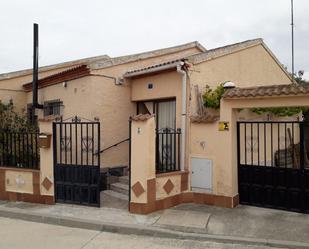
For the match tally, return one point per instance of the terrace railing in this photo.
(167, 150)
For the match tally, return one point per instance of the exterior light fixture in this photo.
(228, 85)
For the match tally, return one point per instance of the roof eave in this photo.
(73, 63)
(152, 70)
(67, 75)
(265, 96)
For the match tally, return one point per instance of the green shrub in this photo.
(12, 121)
(212, 97)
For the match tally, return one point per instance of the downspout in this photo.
(183, 114)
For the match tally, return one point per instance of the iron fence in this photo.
(273, 164)
(19, 149)
(274, 143)
(167, 150)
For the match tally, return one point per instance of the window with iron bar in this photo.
(53, 107)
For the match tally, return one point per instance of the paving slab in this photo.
(254, 222)
(104, 214)
(185, 220)
(243, 224)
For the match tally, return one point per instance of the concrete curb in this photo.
(144, 230)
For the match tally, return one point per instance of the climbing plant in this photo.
(212, 97)
(281, 111)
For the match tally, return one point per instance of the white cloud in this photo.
(76, 29)
(306, 76)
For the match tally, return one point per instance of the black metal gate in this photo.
(273, 164)
(76, 145)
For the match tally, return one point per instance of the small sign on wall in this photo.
(224, 126)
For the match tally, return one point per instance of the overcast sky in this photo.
(76, 29)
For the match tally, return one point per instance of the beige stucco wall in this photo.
(46, 160)
(224, 151)
(161, 181)
(19, 181)
(250, 67)
(165, 85)
(142, 156)
(96, 96)
(87, 97)
(116, 105)
(11, 88)
(246, 68)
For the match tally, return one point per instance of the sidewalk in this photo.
(243, 224)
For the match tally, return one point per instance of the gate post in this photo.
(46, 163)
(142, 171)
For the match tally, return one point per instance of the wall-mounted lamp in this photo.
(228, 85)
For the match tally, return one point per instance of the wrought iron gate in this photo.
(273, 164)
(76, 145)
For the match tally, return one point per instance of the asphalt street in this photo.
(18, 234)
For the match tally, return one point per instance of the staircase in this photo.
(118, 194)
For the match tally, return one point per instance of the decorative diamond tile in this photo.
(168, 186)
(47, 183)
(138, 189)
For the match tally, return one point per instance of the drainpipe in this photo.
(183, 114)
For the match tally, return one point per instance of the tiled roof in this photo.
(267, 91)
(149, 54)
(141, 117)
(70, 74)
(149, 69)
(209, 118)
(72, 64)
(103, 61)
(220, 51)
(209, 55)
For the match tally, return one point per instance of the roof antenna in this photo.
(292, 29)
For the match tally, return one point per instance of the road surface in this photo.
(18, 234)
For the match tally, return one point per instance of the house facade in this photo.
(176, 151)
(200, 159)
(91, 92)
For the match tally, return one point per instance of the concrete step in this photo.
(120, 188)
(118, 195)
(124, 180)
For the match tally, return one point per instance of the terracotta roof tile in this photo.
(70, 74)
(154, 66)
(64, 65)
(141, 117)
(208, 118)
(149, 54)
(270, 91)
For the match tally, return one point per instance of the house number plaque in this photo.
(224, 126)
